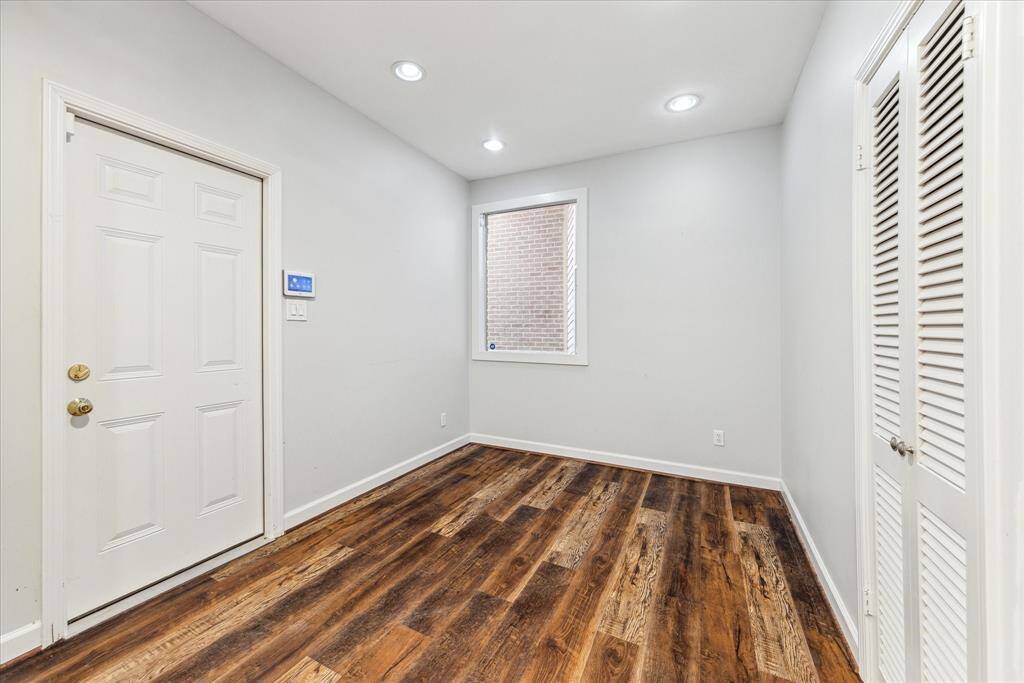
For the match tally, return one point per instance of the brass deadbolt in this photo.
(78, 372)
(79, 407)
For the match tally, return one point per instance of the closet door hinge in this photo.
(868, 606)
(69, 125)
(858, 158)
(969, 38)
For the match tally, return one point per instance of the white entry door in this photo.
(162, 304)
(925, 465)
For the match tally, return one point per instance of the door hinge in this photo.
(858, 162)
(69, 125)
(868, 606)
(969, 38)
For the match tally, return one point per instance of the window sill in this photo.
(546, 358)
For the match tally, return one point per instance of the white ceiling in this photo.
(557, 81)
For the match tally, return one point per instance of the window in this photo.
(530, 284)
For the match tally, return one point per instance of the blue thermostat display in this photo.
(299, 284)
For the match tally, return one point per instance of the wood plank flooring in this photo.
(493, 565)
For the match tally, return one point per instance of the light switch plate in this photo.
(295, 310)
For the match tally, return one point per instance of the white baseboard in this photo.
(847, 621)
(19, 641)
(649, 464)
(308, 511)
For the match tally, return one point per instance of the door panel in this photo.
(891, 361)
(945, 506)
(162, 259)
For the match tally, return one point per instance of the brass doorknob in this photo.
(80, 406)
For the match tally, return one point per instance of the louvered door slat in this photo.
(885, 272)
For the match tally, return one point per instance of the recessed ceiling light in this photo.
(682, 103)
(407, 71)
(493, 145)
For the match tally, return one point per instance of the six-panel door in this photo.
(162, 302)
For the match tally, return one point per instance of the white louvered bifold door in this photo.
(924, 468)
(944, 472)
(891, 363)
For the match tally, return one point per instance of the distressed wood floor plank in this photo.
(727, 646)
(221, 620)
(433, 612)
(751, 505)
(506, 503)
(561, 651)
(508, 579)
(610, 659)
(671, 650)
(385, 658)
(402, 488)
(455, 520)
(258, 646)
(348, 617)
(450, 654)
(779, 643)
(553, 484)
(576, 536)
(506, 655)
(511, 573)
(829, 650)
(309, 671)
(631, 597)
(666, 579)
(659, 493)
(466, 548)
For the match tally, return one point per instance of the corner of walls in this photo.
(816, 351)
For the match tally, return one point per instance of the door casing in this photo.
(60, 105)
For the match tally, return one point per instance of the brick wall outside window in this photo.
(527, 278)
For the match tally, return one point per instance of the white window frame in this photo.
(479, 331)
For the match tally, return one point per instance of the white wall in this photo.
(383, 226)
(817, 347)
(684, 310)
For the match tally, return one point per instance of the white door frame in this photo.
(982, 321)
(59, 103)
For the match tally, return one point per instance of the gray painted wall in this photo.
(684, 310)
(817, 314)
(384, 226)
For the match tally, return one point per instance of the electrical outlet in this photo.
(718, 437)
(444, 419)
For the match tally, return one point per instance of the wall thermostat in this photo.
(299, 284)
